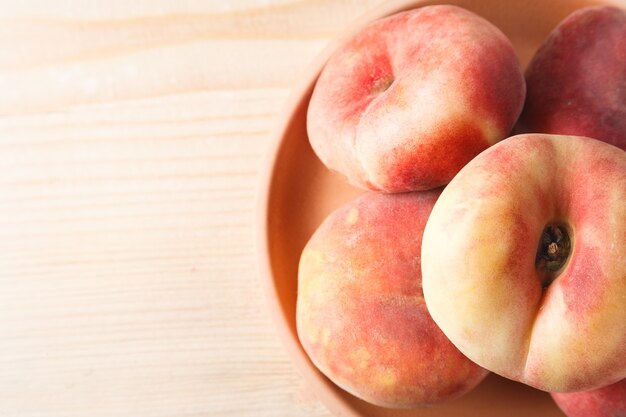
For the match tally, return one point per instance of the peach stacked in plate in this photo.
(473, 251)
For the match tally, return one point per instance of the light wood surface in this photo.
(132, 135)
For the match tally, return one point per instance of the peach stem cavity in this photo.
(553, 251)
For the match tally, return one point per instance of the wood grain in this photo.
(131, 139)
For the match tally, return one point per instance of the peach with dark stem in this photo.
(523, 261)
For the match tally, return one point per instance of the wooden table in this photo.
(131, 140)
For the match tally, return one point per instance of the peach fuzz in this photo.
(609, 401)
(412, 97)
(577, 79)
(523, 261)
(361, 315)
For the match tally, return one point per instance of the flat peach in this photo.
(523, 261)
(609, 401)
(413, 97)
(577, 79)
(361, 315)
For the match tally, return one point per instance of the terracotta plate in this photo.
(298, 192)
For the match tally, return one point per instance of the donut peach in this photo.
(577, 79)
(609, 401)
(411, 98)
(524, 265)
(360, 311)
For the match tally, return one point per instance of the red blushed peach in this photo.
(523, 261)
(577, 79)
(413, 97)
(360, 313)
(607, 401)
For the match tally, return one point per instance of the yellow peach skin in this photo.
(524, 261)
(361, 315)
